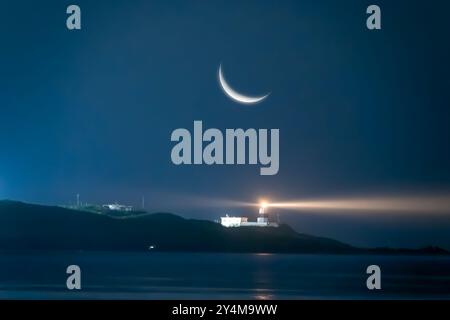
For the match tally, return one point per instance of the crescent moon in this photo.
(236, 96)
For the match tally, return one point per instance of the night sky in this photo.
(360, 112)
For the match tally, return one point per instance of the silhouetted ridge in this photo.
(35, 227)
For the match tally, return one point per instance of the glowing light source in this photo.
(263, 206)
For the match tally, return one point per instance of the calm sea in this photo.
(107, 275)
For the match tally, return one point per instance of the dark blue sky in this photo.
(91, 111)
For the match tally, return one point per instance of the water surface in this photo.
(125, 275)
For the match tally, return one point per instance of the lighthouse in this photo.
(263, 218)
(261, 221)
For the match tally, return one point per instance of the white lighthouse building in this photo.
(261, 221)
